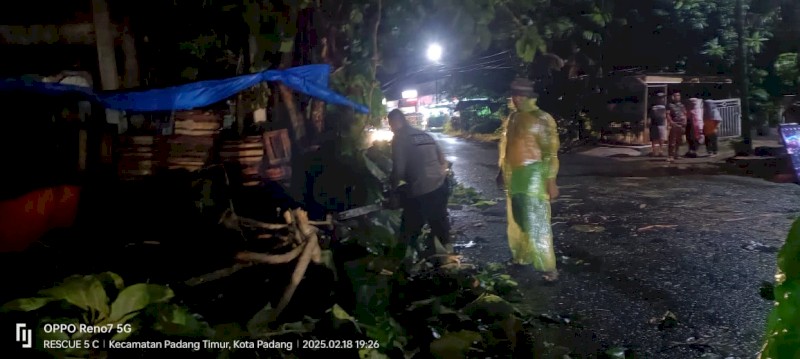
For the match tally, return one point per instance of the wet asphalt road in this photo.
(633, 248)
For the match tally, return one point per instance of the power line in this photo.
(496, 64)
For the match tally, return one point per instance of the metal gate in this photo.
(731, 111)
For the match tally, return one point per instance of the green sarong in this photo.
(530, 235)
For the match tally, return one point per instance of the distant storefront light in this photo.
(409, 94)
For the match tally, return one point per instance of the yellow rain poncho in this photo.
(529, 160)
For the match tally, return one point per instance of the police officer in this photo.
(419, 162)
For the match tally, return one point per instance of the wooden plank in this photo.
(198, 116)
(206, 140)
(138, 149)
(184, 132)
(251, 172)
(141, 172)
(232, 146)
(189, 156)
(134, 155)
(243, 154)
(191, 145)
(143, 165)
(195, 125)
(245, 160)
(139, 140)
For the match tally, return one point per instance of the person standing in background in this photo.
(658, 124)
(694, 126)
(710, 127)
(676, 120)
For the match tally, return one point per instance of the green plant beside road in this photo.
(102, 307)
(783, 332)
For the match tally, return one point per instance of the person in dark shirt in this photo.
(418, 161)
(710, 125)
(676, 120)
(694, 126)
(658, 124)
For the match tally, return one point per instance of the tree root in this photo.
(234, 221)
(302, 231)
(311, 252)
(263, 258)
(218, 274)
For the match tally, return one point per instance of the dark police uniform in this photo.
(418, 160)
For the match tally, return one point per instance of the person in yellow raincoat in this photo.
(528, 169)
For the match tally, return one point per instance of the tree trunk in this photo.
(287, 97)
(318, 106)
(376, 56)
(106, 56)
(255, 63)
(131, 57)
(744, 84)
(109, 76)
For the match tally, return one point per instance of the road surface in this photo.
(634, 246)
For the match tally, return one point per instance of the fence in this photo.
(731, 111)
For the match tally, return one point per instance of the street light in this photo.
(434, 52)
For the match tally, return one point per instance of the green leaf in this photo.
(494, 267)
(228, 331)
(519, 46)
(616, 353)
(112, 278)
(759, 95)
(371, 353)
(327, 260)
(136, 297)
(484, 204)
(341, 314)
(356, 17)
(85, 292)
(25, 304)
(287, 45)
(783, 335)
(386, 331)
(178, 321)
(454, 345)
(489, 307)
(374, 169)
(260, 322)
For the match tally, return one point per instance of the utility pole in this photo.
(744, 82)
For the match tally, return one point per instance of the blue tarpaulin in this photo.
(311, 80)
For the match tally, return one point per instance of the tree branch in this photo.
(311, 251)
(215, 275)
(263, 258)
